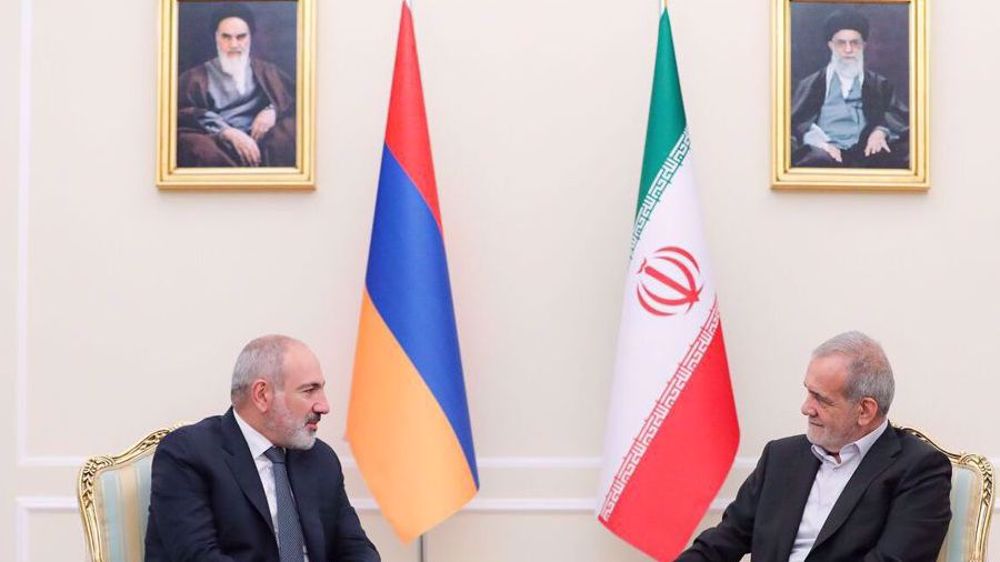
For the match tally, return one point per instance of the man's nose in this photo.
(807, 408)
(322, 406)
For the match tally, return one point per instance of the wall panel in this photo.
(122, 308)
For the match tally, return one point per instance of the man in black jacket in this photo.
(255, 485)
(852, 489)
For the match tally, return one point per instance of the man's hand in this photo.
(833, 151)
(876, 143)
(262, 123)
(245, 146)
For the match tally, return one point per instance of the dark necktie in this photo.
(289, 530)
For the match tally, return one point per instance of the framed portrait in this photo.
(850, 107)
(236, 95)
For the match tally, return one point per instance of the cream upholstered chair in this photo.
(113, 493)
(971, 505)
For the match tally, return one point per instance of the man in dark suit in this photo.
(852, 489)
(255, 485)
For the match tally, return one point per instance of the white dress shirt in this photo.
(258, 445)
(831, 479)
(846, 83)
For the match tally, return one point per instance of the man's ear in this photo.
(869, 410)
(261, 395)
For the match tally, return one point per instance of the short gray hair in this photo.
(868, 370)
(262, 358)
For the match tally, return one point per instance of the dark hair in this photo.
(232, 10)
(845, 19)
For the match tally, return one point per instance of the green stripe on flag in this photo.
(666, 112)
(664, 177)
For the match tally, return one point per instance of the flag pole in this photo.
(422, 552)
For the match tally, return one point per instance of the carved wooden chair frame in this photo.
(981, 466)
(87, 482)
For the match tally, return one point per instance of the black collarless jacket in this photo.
(879, 102)
(894, 508)
(207, 502)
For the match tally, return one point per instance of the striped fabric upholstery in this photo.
(966, 491)
(113, 493)
(121, 497)
(971, 504)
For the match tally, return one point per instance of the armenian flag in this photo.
(408, 418)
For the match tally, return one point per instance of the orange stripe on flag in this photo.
(405, 447)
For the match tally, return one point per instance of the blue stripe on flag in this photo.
(408, 283)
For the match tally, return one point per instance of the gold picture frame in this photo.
(887, 94)
(270, 147)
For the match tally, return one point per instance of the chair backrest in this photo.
(971, 505)
(113, 493)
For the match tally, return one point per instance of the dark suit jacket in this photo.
(207, 502)
(894, 508)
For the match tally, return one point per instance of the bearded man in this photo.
(845, 115)
(235, 110)
(255, 485)
(853, 488)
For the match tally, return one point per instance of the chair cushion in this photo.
(121, 500)
(966, 489)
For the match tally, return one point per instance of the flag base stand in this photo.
(423, 549)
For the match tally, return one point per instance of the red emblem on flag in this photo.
(668, 282)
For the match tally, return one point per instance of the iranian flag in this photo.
(672, 431)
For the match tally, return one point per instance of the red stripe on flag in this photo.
(684, 465)
(406, 132)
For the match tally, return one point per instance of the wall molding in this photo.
(23, 180)
(67, 504)
(487, 463)
(746, 463)
(27, 505)
(24, 506)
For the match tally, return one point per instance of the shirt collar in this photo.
(257, 442)
(857, 448)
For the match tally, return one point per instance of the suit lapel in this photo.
(803, 472)
(879, 457)
(304, 487)
(242, 465)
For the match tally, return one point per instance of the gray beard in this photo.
(237, 68)
(847, 70)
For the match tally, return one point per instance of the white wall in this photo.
(135, 302)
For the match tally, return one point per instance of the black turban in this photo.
(232, 10)
(846, 19)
